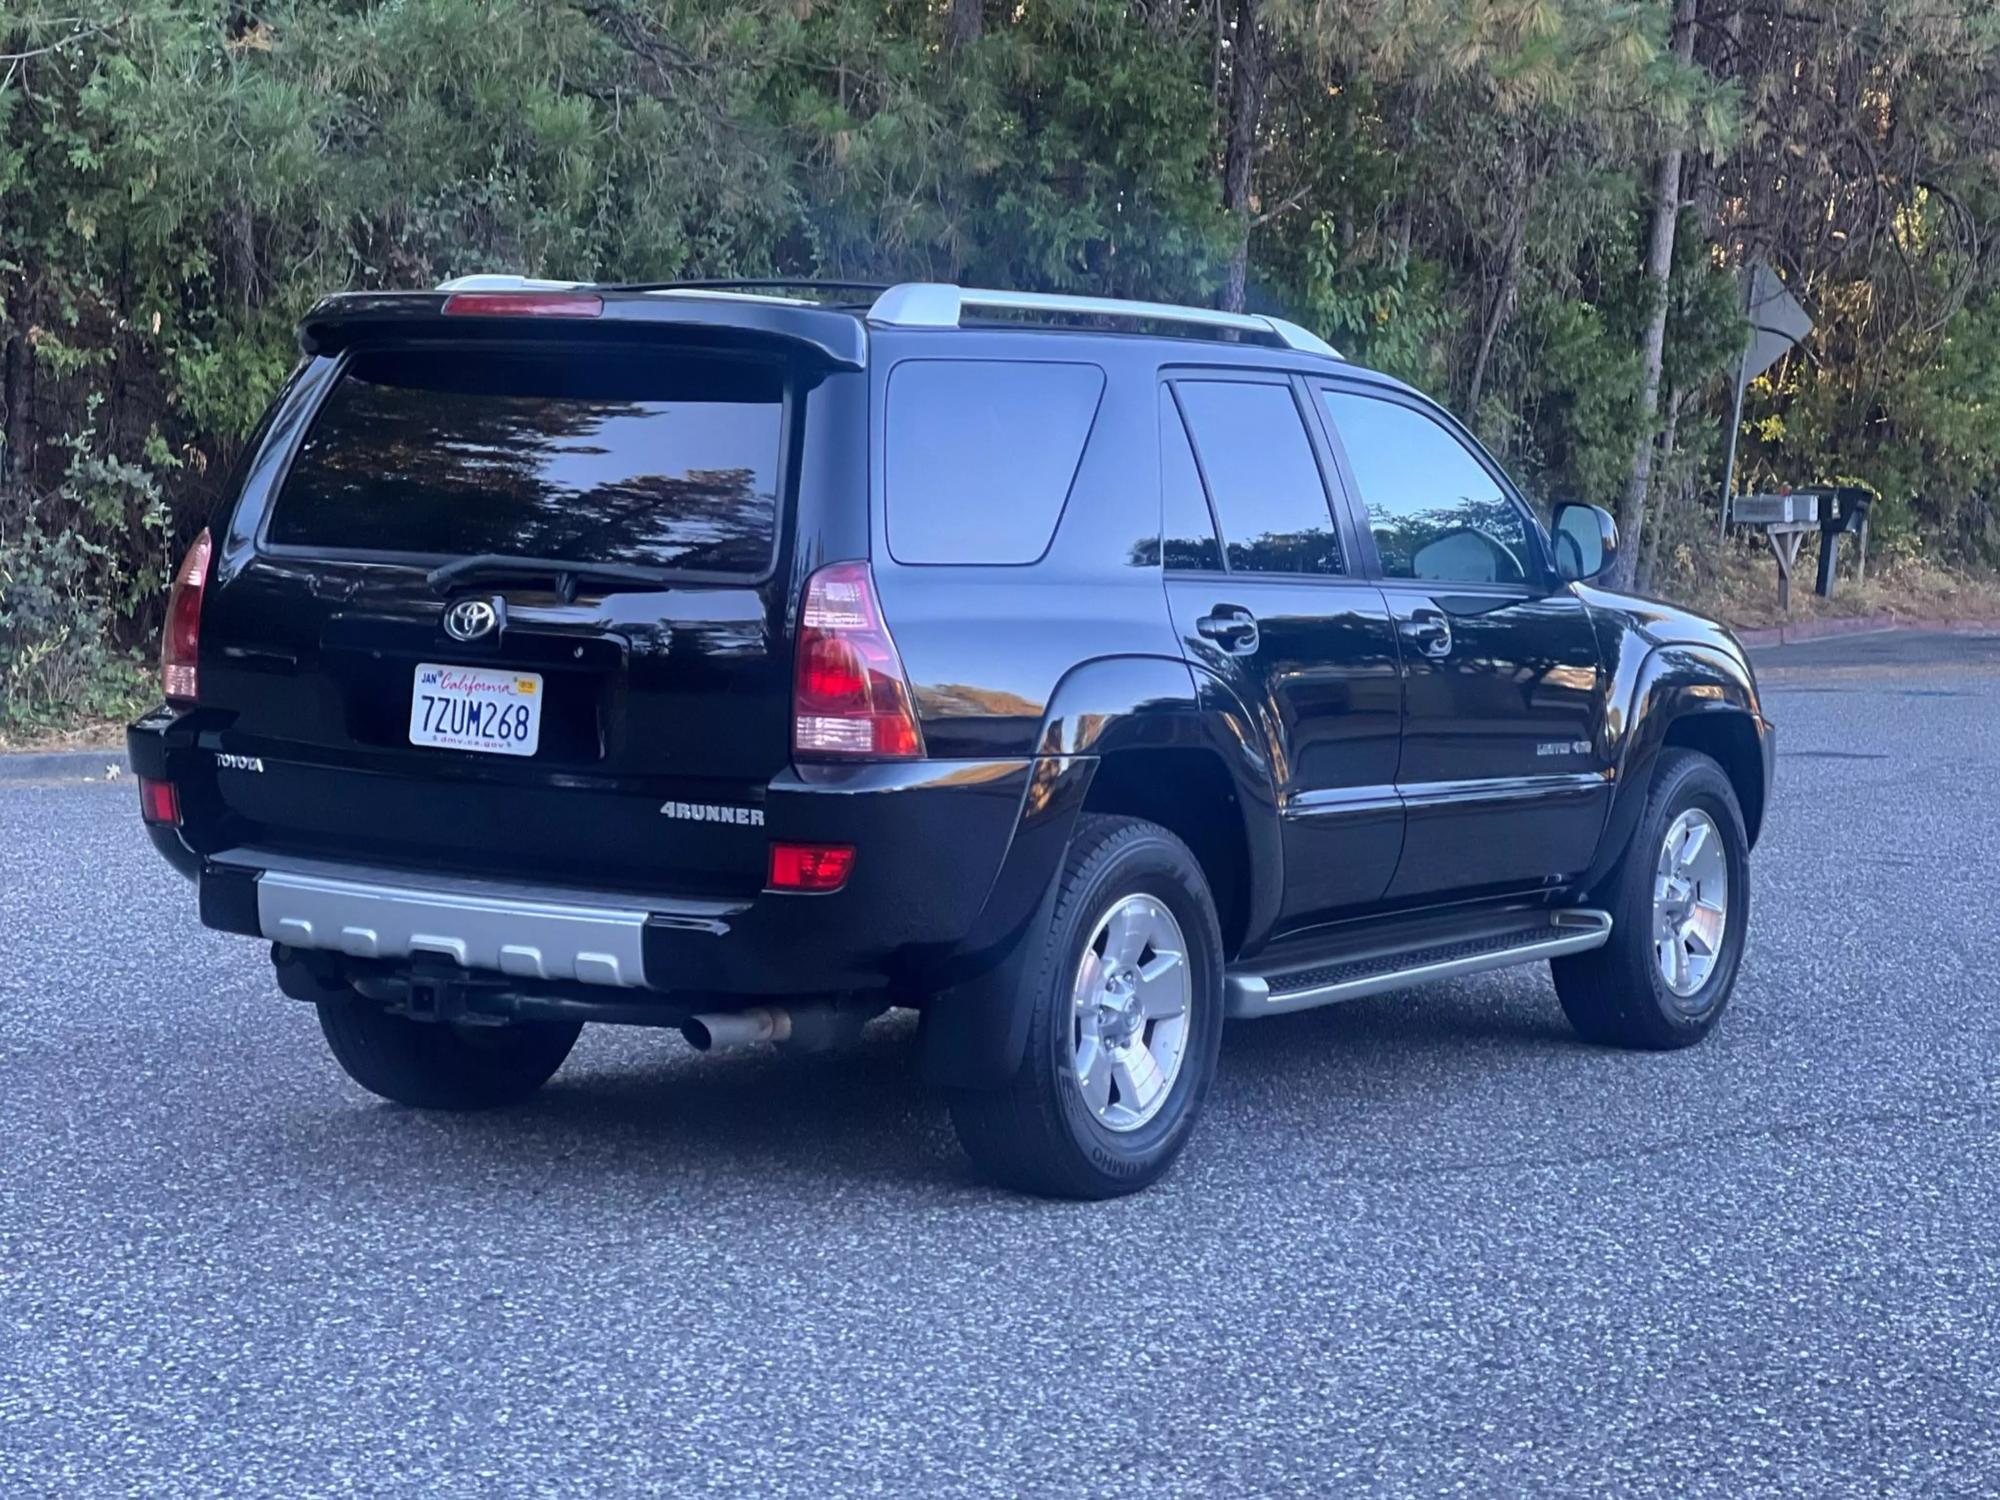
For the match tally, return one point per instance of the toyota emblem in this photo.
(469, 619)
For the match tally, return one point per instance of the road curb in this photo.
(92, 764)
(1814, 630)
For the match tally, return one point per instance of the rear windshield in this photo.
(661, 459)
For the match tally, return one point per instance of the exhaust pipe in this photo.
(737, 1028)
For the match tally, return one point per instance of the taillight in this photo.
(522, 305)
(850, 697)
(180, 641)
(814, 868)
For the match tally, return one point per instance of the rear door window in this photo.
(982, 454)
(1262, 476)
(658, 459)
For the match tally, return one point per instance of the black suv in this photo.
(1077, 673)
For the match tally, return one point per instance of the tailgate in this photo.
(435, 534)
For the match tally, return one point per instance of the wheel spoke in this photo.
(1163, 987)
(1125, 938)
(1697, 836)
(1138, 1076)
(1089, 981)
(1677, 962)
(1093, 1070)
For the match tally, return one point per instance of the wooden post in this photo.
(1785, 538)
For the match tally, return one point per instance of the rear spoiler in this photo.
(687, 316)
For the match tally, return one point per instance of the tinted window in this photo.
(981, 456)
(1435, 511)
(660, 460)
(1262, 477)
(1186, 527)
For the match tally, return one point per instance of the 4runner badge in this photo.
(708, 812)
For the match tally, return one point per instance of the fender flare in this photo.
(1665, 686)
(975, 1028)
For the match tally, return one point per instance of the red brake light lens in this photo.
(180, 640)
(523, 305)
(815, 868)
(159, 802)
(850, 695)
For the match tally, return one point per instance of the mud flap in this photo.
(974, 1031)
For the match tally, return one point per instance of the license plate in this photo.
(473, 708)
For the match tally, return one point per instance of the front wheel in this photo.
(440, 1065)
(1125, 1017)
(1680, 901)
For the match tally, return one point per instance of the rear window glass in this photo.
(660, 460)
(981, 456)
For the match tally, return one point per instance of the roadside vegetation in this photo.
(1538, 210)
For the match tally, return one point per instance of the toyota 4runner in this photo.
(1080, 674)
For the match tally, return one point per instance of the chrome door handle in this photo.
(1230, 626)
(1430, 630)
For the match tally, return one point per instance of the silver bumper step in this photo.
(511, 932)
(1249, 994)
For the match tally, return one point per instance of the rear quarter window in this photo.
(981, 456)
(658, 458)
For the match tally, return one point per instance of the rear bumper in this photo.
(951, 858)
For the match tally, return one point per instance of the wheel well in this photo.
(1189, 793)
(1730, 741)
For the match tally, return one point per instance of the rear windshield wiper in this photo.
(566, 575)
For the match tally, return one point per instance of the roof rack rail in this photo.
(932, 304)
(765, 289)
(753, 284)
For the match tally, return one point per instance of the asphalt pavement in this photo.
(1422, 1244)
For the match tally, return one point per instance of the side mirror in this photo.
(1586, 539)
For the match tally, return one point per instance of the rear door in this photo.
(437, 526)
(1263, 588)
(1501, 768)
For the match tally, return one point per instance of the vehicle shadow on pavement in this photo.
(640, 1105)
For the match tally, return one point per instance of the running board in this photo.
(1274, 993)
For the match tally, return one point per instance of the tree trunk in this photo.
(1659, 269)
(1649, 564)
(1246, 102)
(1507, 293)
(964, 23)
(17, 382)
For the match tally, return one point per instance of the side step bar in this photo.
(1276, 992)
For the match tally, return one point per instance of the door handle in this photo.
(1230, 626)
(1430, 631)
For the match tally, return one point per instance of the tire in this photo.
(1620, 995)
(1051, 1132)
(437, 1065)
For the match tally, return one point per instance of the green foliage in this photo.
(1452, 190)
(58, 663)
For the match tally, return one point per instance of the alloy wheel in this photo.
(1130, 1014)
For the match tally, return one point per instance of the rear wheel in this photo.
(1125, 1019)
(438, 1065)
(1680, 901)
